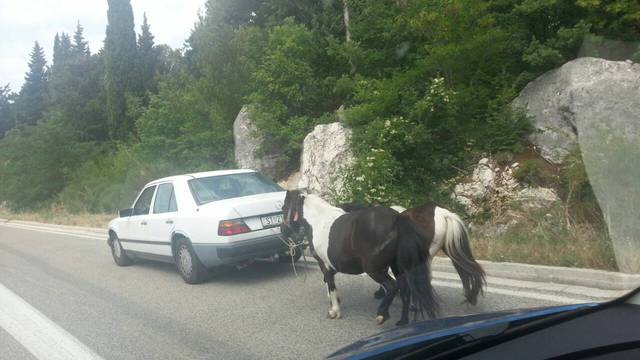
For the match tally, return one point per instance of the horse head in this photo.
(292, 210)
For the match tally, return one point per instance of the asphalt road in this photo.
(146, 311)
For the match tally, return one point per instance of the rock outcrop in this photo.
(247, 143)
(493, 186)
(326, 153)
(562, 100)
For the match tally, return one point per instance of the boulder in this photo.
(326, 153)
(559, 100)
(594, 103)
(247, 144)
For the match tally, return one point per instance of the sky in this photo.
(22, 22)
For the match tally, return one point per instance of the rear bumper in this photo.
(219, 254)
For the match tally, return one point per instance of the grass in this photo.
(549, 241)
(60, 217)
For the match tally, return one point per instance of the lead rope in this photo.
(292, 245)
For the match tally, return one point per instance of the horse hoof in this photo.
(402, 322)
(380, 319)
(332, 314)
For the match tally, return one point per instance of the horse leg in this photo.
(390, 288)
(334, 300)
(334, 310)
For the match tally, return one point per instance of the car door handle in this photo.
(143, 223)
(169, 222)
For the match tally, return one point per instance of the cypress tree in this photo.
(33, 93)
(57, 50)
(65, 48)
(120, 58)
(147, 57)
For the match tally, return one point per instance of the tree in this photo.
(120, 53)
(33, 94)
(76, 89)
(57, 49)
(80, 47)
(147, 58)
(7, 120)
(61, 50)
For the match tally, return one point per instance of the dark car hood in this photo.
(433, 331)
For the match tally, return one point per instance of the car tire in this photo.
(188, 264)
(285, 258)
(119, 254)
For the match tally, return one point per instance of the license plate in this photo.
(271, 220)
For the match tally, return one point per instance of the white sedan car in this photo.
(200, 221)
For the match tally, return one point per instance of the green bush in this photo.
(36, 162)
(111, 181)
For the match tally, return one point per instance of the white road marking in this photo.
(38, 334)
(539, 286)
(85, 235)
(520, 293)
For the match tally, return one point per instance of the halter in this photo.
(297, 229)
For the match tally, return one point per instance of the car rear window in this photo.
(223, 187)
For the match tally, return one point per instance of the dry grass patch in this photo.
(60, 217)
(549, 241)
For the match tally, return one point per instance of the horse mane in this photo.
(353, 206)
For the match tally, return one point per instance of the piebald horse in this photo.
(442, 230)
(370, 240)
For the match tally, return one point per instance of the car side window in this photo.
(165, 200)
(143, 204)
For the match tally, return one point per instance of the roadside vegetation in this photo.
(59, 216)
(426, 85)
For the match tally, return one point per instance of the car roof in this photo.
(201, 175)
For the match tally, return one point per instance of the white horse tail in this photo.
(452, 236)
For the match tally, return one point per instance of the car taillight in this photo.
(232, 227)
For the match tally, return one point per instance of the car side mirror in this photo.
(126, 212)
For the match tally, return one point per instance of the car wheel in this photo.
(285, 257)
(189, 266)
(119, 254)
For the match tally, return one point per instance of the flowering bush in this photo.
(371, 179)
(398, 156)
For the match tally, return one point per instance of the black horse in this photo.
(371, 241)
(442, 230)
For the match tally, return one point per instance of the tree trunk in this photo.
(345, 16)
